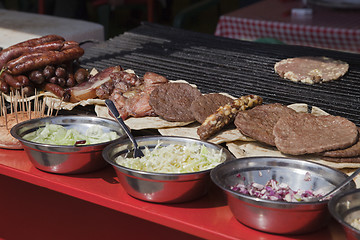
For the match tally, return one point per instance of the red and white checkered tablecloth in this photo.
(344, 39)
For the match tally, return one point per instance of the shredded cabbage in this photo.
(58, 135)
(174, 159)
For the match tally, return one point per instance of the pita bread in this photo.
(140, 123)
(227, 135)
(304, 108)
(255, 149)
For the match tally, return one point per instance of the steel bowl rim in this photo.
(331, 206)
(266, 201)
(13, 132)
(146, 173)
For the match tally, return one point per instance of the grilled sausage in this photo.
(57, 90)
(15, 51)
(226, 114)
(11, 80)
(31, 61)
(37, 77)
(40, 40)
(4, 87)
(69, 44)
(28, 90)
(23, 80)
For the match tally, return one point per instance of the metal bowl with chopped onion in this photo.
(275, 215)
(174, 169)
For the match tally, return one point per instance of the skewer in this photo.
(11, 102)
(16, 107)
(43, 109)
(58, 109)
(5, 110)
(23, 100)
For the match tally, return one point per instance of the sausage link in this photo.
(38, 60)
(226, 114)
(40, 40)
(23, 80)
(58, 91)
(15, 52)
(28, 90)
(11, 80)
(4, 87)
(69, 44)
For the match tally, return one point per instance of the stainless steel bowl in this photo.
(160, 187)
(277, 216)
(66, 159)
(345, 208)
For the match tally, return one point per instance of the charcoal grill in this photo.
(217, 64)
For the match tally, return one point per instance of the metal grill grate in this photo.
(236, 67)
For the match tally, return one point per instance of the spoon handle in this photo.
(111, 106)
(346, 181)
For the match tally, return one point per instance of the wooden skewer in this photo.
(57, 110)
(16, 107)
(5, 110)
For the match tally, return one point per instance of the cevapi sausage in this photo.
(225, 114)
(38, 60)
(12, 81)
(27, 47)
(4, 87)
(28, 90)
(23, 80)
(69, 44)
(40, 40)
(57, 90)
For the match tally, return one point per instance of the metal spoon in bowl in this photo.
(336, 189)
(114, 111)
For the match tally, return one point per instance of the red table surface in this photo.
(208, 217)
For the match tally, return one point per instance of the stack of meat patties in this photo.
(333, 137)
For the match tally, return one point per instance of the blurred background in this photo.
(118, 16)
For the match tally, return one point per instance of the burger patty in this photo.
(207, 104)
(172, 101)
(258, 123)
(353, 151)
(342, 159)
(311, 70)
(305, 133)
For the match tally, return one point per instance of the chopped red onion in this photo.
(274, 190)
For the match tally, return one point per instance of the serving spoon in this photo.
(111, 106)
(336, 189)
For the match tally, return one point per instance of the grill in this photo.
(217, 64)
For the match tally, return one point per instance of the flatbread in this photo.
(255, 149)
(227, 135)
(311, 70)
(140, 123)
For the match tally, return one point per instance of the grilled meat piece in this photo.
(226, 114)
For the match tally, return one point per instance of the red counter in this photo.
(39, 205)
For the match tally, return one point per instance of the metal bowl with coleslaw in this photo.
(67, 144)
(173, 170)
